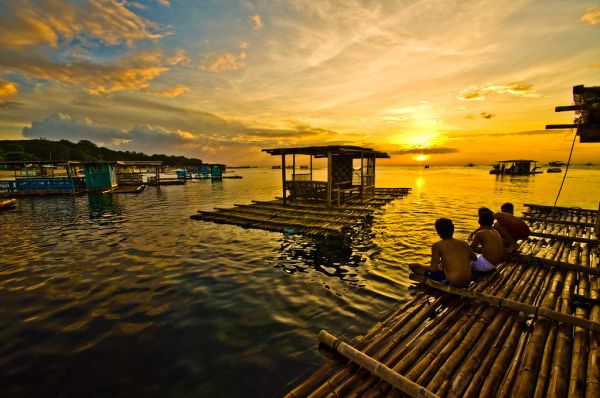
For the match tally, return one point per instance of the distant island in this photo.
(84, 150)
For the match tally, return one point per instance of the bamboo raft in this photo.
(299, 216)
(529, 329)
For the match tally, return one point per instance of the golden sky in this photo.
(446, 82)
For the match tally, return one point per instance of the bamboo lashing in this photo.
(514, 305)
(374, 366)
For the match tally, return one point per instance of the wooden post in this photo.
(157, 175)
(283, 176)
(597, 228)
(293, 167)
(311, 167)
(329, 179)
(362, 176)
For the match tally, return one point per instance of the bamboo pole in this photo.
(375, 367)
(580, 342)
(511, 304)
(592, 382)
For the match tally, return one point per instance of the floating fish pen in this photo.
(529, 329)
(516, 167)
(41, 178)
(345, 200)
(202, 171)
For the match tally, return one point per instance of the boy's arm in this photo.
(476, 241)
(434, 265)
(472, 254)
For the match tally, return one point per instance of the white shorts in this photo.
(481, 264)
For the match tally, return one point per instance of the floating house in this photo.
(529, 329)
(516, 167)
(343, 184)
(202, 171)
(41, 178)
(332, 208)
(100, 176)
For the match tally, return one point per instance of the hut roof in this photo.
(139, 163)
(323, 151)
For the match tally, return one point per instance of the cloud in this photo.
(25, 23)
(171, 92)
(481, 93)
(216, 63)
(164, 3)
(256, 22)
(425, 151)
(8, 105)
(591, 16)
(132, 72)
(7, 89)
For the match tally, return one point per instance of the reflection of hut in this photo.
(515, 167)
(343, 183)
(41, 178)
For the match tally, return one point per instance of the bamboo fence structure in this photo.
(531, 328)
(308, 218)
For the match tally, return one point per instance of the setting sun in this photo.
(421, 158)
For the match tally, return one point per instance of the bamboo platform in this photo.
(529, 329)
(303, 217)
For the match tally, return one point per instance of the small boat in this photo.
(554, 170)
(7, 204)
(426, 166)
(556, 163)
(470, 165)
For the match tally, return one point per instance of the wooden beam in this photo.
(556, 221)
(375, 367)
(510, 304)
(560, 126)
(598, 222)
(558, 264)
(565, 237)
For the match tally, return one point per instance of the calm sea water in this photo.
(107, 295)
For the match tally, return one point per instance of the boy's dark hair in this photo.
(507, 208)
(486, 217)
(444, 228)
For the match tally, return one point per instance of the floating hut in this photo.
(529, 329)
(41, 178)
(347, 199)
(516, 167)
(202, 171)
(100, 175)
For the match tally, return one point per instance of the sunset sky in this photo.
(452, 81)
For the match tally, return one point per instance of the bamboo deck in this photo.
(302, 217)
(530, 329)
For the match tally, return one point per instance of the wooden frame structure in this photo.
(343, 182)
(519, 167)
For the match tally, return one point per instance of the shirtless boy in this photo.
(490, 240)
(449, 257)
(511, 227)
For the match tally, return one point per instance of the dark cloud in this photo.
(424, 151)
(8, 105)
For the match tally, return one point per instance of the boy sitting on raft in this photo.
(449, 257)
(511, 227)
(490, 240)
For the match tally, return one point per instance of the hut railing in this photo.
(302, 177)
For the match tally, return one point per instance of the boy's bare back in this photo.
(492, 246)
(455, 260)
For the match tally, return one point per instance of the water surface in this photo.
(109, 295)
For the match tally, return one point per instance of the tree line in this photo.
(84, 150)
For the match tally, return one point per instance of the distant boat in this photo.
(556, 163)
(470, 165)
(276, 167)
(554, 170)
(426, 166)
(304, 167)
(589, 164)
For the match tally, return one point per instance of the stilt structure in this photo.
(328, 208)
(529, 329)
